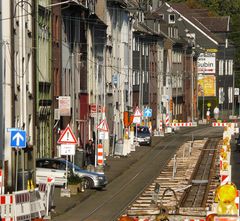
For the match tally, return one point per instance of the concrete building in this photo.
(6, 93)
(44, 81)
(119, 65)
(214, 53)
(56, 70)
(23, 83)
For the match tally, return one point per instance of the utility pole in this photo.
(192, 85)
(2, 118)
(140, 74)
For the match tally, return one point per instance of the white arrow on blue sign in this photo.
(147, 112)
(18, 138)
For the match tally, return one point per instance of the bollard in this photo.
(190, 148)
(174, 165)
(184, 152)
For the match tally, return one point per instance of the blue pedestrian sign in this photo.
(147, 112)
(18, 138)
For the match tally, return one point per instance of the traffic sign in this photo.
(18, 138)
(138, 112)
(147, 112)
(67, 137)
(67, 149)
(103, 126)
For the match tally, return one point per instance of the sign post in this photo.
(18, 141)
(68, 142)
(103, 129)
(137, 117)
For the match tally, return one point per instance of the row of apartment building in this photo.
(78, 61)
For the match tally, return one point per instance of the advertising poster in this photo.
(206, 85)
(206, 63)
(64, 105)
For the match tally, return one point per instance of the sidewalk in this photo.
(115, 166)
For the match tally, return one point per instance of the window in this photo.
(230, 95)
(146, 49)
(161, 16)
(138, 78)
(226, 67)
(171, 19)
(133, 43)
(221, 95)
(170, 32)
(158, 27)
(137, 44)
(230, 67)
(147, 77)
(134, 78)
(220, 64)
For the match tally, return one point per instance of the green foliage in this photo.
(74, 178)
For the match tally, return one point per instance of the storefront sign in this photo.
(206, 63)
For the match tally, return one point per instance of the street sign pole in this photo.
(16, 183)
(18, 140)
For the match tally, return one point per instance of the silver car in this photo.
(142, 135)
(56, 169)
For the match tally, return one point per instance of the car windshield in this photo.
(141, 130)
(71, 165)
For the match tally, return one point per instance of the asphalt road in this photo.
(109, 204)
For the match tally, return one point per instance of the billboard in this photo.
(206, 63)
(206, 85)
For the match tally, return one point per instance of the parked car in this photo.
(142, 135)
(56, 168)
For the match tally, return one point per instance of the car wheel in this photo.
(88, 183)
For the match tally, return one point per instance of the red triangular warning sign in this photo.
(103, 126)
(138, 112)
(67, 137)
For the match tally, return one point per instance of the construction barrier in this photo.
(46, 191)
(22, 205)
(37, 205)
(215, 124)
(188, 124)
(167, 121)
(27, 205)
(100, 155)
(194, 219)
(6, 204)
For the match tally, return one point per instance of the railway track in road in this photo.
(190, 191)
(204, 181)
(135, 187)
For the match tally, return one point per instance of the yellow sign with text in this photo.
(206, 85)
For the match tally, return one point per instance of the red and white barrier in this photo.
(37, 205)
(225, 178)
(22, 206)
(100, 155)
(194, 219)
(237, 201)
(6, 206)
(189, 124)
(167, 122)
(215, 124)
(161, 126)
